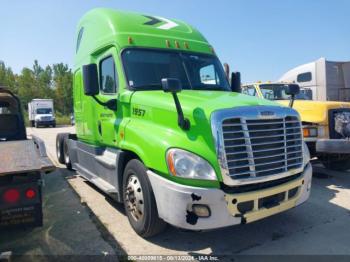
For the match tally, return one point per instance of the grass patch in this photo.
(62, 120)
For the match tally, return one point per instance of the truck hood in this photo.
(315, 111)
(195, 100)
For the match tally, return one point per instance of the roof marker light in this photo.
(130, 40)
(167, 42)
(177, 44)
(212, 50)
(186, 45)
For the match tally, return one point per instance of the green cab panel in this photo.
(145, 122)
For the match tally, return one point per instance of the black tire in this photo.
(336, 162)
(59, 148)
(67, 160)
(149, 224)
(32, 123)
(36, 125)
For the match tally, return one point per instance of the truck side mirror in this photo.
(171, 85)
(236, 82)
(292, 90)
(90, 80)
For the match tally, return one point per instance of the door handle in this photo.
(99, 126)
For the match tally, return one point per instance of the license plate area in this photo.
(271, 201)
(21, 216)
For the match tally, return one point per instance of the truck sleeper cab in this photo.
(326, 124)
(159, 129)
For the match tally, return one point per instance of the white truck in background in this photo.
(325, 80)
(41, 113)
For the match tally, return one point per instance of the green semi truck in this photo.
(159, 129)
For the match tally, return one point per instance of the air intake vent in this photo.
(262, 147)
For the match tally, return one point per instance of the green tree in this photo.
(7, 77)
(62, 83)
(53, 82)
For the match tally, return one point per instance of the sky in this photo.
(260, 38)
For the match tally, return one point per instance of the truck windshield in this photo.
(145, 69)
(278, 92)
(43, 111)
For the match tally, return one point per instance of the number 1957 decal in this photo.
(138, 111)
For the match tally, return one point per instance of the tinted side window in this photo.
(304, 77)
(108, 79)
(5, 108)
(80, 35)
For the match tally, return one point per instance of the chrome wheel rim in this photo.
(134, 198)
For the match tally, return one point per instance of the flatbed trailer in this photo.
(24, 156)
(22, 163)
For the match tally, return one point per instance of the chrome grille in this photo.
(45, 118)
(252, 148)
(262, 147)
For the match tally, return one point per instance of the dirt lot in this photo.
(69, 226)
(320, 226)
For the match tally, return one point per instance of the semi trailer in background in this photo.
(41, 113)
(23, 161)
(325, 80)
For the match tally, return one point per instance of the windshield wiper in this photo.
(211, 88)
(148, 87)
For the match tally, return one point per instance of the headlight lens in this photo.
(182, 163)
(306, 157)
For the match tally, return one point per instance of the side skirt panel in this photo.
(99, 165)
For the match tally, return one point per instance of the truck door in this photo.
(106, 118)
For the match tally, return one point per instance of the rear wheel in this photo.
(36, 124)
(59, 148)
(67, 161)
(139, 201)
(339, 162)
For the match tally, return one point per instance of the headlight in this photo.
(309, 131)
(306, 156)
(182, 163)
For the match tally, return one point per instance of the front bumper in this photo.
(46, 123)
(174, 202)
(333, 146)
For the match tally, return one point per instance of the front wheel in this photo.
(336, 162)
(139, 201)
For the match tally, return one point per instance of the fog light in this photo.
(201, 210)
(308, 186)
